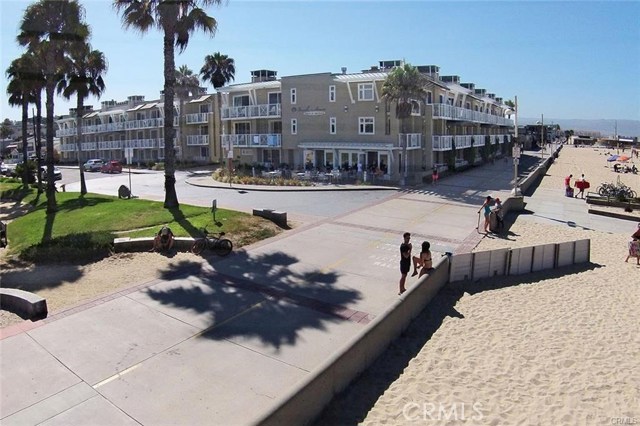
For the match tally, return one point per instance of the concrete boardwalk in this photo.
(221, 344)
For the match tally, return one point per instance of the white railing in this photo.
(68, 147)
(110, 145)
(197, 118)
(410, 140)
(251, 111)
(252, 140)
(444, 143)
(89, 146)
(142, 143)
(194, 140)
(462, 114)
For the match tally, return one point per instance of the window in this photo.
(415, 107)
(275, 98)
(441, 99)
(204, 151)
(366, 125)
(293, 96)
(450, 101)
(204, 130)
(365, 91)
(332, 93)
(467, 105)
(242, 128)
(332, 125)
(429, 98)
(241, 100)
(294, 126)
(204, 108)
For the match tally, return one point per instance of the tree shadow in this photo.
(255, 297)
(351, 406)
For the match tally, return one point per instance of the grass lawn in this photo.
(83, 228)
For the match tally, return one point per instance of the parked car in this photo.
(93, 165)
(111, 167)
(57, 174)
(4, 170)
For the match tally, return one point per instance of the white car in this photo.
(4, 170)
(57, 174)
(93, 165)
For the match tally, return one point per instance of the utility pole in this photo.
(516, 153)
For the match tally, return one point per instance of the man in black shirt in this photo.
(405, 260)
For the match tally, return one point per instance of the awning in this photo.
(200, 99)
(136, 108)
(148, 106)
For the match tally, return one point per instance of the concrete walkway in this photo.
(221, 344)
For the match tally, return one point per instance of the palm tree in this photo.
(404, 85)
(177, 20)
(187, 85)
(83, 78)
(512, 107)
(52, 27)
(218, 69)
(20, 91)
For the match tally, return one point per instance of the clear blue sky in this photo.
(575, 59)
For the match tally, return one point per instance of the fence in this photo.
(517, 261)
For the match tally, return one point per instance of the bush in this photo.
(83, 247)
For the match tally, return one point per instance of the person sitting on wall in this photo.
(163, 241)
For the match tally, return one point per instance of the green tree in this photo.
(52, 28)
(403, 86)
(21, 93)
(83, 78)
(511, 105)
(187, 85)
(176, 20)
(218, 69)
(5, 129)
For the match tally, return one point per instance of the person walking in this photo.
(497, 210)
(580, 184)
(487, 212)
(568, 191)
(405, 261)
(434, 175)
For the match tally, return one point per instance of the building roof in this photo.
(148, 106)
(243, 87)
(200, 99)
(367, 76)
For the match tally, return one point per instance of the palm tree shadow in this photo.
(269, 302)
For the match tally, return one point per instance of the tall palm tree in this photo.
(83, 78)
(218, 69)
(52, 27)
(177, 20)
(20, 91)
(403, 85)
(187, 85)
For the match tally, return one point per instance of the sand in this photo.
(541, 349)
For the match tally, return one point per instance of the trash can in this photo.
(493, 222)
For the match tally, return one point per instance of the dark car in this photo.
(111, 167)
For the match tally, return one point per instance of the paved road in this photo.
(220, 344)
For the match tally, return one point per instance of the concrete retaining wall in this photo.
(127, 244)
(308, 399)
(23, 303)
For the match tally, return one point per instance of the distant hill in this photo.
(606, 128)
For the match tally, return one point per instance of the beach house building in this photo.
(321, 121)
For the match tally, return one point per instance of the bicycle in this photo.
(212, 241)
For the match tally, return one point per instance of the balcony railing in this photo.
(444, 143)
(410, 140)
(252, 140)
(195, 140)
(251, 111)
(143, 143)
(197, 118)
(110, 145)
(450, 112)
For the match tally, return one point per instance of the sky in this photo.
(563, 60)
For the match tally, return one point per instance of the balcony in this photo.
(252, 140)
(251, 111)
(110, 145)
(197, 118)
(197, 140)
(410, 140)
(444, 143)
(143, 143)
(450, 112)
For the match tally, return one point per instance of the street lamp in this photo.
(541, 123)
(516, 152)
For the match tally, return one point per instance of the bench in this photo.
(27, 305)
(127, 244)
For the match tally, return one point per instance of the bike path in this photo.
(222, 342)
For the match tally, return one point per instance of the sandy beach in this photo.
(538, 349)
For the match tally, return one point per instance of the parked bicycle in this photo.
(214, 242)
(619, 190)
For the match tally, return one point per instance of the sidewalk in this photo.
(223, 344)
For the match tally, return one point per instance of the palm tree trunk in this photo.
(51, 189)
(171, 198)
(181, 117)
(25, 145)
(79, 110)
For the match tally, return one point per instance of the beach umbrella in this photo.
(623, 158)
(614, 157)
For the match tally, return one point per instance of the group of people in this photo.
(422, 264)
(634, 246)
(581, 184)
(618, 168)
(489, 206)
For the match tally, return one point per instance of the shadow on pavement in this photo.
(263, 297)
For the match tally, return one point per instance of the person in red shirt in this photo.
(567, 181)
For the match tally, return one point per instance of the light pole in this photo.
(516, 152)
